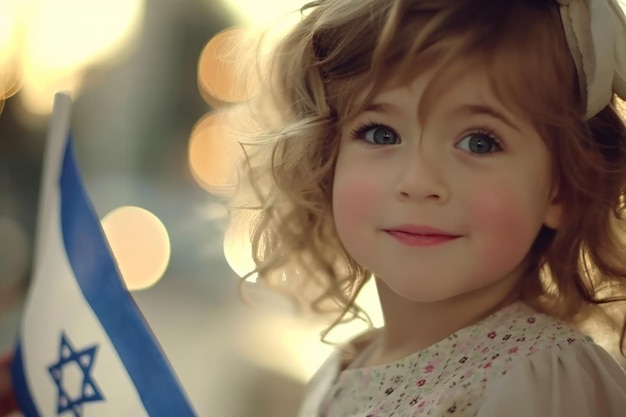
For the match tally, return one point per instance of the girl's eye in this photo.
(376, 134)
(480, 143)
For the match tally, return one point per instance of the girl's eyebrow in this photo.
(471, 109)
(382, 107)
(463, 110)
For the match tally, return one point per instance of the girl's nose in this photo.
(421, 178)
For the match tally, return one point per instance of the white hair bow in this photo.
(596, 35)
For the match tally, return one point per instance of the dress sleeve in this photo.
(319, 385)
(578, 380)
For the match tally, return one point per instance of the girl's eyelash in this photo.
(359, 131)
(490, 133)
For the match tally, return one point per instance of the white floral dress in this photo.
(515, 363)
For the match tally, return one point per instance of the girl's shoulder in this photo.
(530, 364)
(516, 362)
(519, 330)
(515, 332)
(513, 336)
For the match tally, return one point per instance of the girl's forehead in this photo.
(460, 74)
(530, 83)
(463, 81)
(520, 45)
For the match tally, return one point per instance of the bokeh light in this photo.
(368, 300)
(140, 245)
(10, 74)
(237, 244)
(214, 154)
(254, 12)
(295, 348)
(221, 76)
(621, 108)
(14, 252)
(46, 45)
(12, 14)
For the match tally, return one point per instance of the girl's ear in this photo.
(554, 212)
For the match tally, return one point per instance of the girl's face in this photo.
(473, 171)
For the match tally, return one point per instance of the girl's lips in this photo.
(420, 240)
(419, 230)
(419, 235)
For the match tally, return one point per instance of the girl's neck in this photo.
(413, 326)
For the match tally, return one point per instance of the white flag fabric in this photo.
(84, 349)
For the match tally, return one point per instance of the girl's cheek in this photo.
(352, 200)
(506, 226)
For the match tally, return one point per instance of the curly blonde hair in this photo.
(335, 60)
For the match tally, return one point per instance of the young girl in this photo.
(469, 156)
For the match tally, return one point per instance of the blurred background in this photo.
(146, 77)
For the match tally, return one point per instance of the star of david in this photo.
(89, 391)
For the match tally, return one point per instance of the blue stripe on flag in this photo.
(99, 280)
(20, 386)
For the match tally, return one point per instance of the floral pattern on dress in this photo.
(451, 377)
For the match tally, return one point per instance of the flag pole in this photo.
(79, 313)
(52, 159)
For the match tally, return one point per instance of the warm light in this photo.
(11, 33)
(72, 33)
(10, 78)
(223, 76)
(368, 301)
(63, 37)
(214, 154)
(11, 13)
(308, 352)
(262, 12)
(621, 108)
(237, 245)
(37, 94)
(140, 245)
(294, 348)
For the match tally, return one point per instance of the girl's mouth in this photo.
(420, 236)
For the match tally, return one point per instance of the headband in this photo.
(596, 35)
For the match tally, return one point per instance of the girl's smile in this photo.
(420, 236)
(471, 167)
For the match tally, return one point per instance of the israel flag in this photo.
(84, 349)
